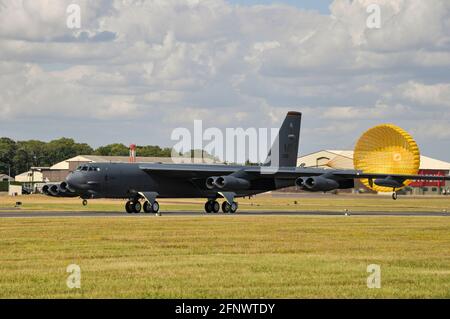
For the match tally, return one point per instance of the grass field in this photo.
(226, 256)
(230, 257)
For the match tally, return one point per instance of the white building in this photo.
(5, 178)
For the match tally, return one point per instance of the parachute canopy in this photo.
(386, 149)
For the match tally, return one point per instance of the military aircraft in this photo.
(144, 182)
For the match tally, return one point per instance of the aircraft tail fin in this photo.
(284, 151)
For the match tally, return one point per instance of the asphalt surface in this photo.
(28, 214)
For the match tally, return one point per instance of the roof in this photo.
(5, 176)
(431, 163)
(425, 161)
(109, 159)
(122, 159)
(27, 176)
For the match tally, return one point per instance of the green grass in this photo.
(225, 257)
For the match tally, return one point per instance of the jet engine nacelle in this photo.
(64, 188)
(300, 182)
(45, 189)
(320, 184)
(58, 190)
(231, 182)
(211, 182)
(53, 190)
(389, 182)
(227, 182)
(323, 183)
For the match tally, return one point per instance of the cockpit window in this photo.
(88, 168)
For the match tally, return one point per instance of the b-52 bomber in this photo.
(141, 184)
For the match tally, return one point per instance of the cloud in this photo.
(161, 63)
(432, 95)
(379, 112)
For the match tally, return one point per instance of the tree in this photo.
(30, 153)
(116, 149)
(7, 152)
(153, 151)
(64, 148)
(23, 155)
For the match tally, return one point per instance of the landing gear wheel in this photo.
(226, 208)
(136, 206)
(394, 196)
(128, 207)
(148, 207)
(234, 207)
(215, 207)
(209, 206)
(155, 207)
(84, 202)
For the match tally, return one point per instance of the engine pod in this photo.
(386, 149)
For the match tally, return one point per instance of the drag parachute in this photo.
(386, 149)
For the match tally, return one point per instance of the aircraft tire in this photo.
(233, 207)
(84, 202)
(128, 207)
(215, 206)
(147, 207)
(136, 206)
(155, 207)
(226, 208)
(208, 207)
(394, 196)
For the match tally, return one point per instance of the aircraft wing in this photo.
(355, 174)
(396, 176)
(188, 170)
(207, 170)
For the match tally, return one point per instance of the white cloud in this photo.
(166, 62)
(427, 95)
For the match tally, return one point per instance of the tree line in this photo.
(22, 155)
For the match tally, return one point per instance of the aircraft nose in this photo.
(75, 180)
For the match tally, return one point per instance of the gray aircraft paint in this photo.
(136, 180)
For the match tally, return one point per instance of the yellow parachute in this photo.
(386, 149)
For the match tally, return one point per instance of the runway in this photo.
(62, 214)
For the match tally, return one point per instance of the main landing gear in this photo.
(135, 207)
(212, 206)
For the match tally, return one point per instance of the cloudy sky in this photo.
(137, 69)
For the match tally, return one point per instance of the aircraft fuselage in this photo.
(125, 180)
